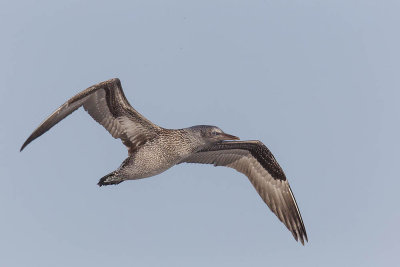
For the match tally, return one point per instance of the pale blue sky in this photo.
(316, 81)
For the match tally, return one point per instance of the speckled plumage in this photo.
(153, 149)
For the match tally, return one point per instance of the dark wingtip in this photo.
(300, 236)
(28, 141)
(303, 238)
(24, 145)
(304, 235)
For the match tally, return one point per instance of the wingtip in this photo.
(27, 142)
(303, 238)
(22, 147)
(300, 236)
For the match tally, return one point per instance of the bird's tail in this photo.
(111, 178)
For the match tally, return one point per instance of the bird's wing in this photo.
(107, 104)
(254, 159)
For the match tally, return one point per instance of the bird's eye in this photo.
(214, 133)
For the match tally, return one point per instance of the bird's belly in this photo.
(145, 164)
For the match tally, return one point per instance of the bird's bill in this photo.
(226, 136)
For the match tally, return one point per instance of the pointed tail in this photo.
(111, 178)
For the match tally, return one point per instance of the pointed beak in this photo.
(229, 137)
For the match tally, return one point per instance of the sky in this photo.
(316, 81)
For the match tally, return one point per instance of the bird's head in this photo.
(211, 134)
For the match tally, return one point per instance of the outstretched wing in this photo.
(254, 159)
(107, 104)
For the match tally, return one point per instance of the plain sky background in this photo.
(317, 81)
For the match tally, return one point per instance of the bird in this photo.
(153, 149)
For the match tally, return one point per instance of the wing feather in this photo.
(254, 159)
(106, 103)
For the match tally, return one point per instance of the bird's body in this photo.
(169, 148)
(153, 149)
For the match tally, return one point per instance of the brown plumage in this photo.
(153, 149)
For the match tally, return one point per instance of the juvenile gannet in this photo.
(153, 149)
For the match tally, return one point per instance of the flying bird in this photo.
(153, 149)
